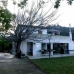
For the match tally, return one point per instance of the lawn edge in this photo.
(37, 66)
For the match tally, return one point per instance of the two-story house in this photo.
(44, 40)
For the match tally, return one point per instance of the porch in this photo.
(38, 49)
(51, 56)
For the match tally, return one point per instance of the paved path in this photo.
(18, 66)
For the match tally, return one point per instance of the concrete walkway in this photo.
(18, 66)
(51, 56)
(4, 57)
(12, 65)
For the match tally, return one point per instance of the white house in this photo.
(44, 42)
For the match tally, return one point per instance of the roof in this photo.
(41, 27)
(11, 38)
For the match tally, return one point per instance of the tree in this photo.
(5, 24)
(5, 17)
(22, 3)
(5, 46)
(32, 18)
(57, 3)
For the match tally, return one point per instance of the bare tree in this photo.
(29, 20)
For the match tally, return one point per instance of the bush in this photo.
(5, 46)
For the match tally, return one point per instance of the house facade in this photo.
(43, 42)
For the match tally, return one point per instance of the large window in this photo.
(60, 48)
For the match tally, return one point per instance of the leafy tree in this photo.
(57, 3)
(5, 24)
(5, 17)
(22, 3)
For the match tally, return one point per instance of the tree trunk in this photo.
(49, 48)
(18, 51)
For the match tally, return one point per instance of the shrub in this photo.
(5, 45)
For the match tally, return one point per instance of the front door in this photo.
(30, 48)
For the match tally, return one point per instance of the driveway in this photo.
(18, 66)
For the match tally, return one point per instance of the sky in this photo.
(65, 11)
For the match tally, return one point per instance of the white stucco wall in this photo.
(44, 31)
(35, 32)
(23, 47)
(57, 39)
(36, 48)
(71, 47)
(24, 30)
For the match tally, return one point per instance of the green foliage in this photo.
(57, 3)
(63, 65)
(22, 3)
(5, 19)
(69, 2)
(4, 44)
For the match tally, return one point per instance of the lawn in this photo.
(63, 65)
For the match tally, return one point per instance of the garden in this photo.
(62, 65)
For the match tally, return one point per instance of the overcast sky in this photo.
(66, 11)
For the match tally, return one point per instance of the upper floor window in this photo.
(39, 32)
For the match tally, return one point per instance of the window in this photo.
(39, 32)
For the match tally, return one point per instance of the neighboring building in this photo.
(47, 40)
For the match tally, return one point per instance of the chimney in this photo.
(70, 33)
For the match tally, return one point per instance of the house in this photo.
(43, 41)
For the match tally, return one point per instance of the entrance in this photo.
(30, 48)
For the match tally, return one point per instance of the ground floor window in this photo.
(61, 48)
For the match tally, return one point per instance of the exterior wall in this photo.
(54, 39)
(36, 48)
(23, 47)
(24, 30)
(71, 47)
(36, 32)
(60, 39)
(44, 31)
(57, 39)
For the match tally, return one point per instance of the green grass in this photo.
(63, 65)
